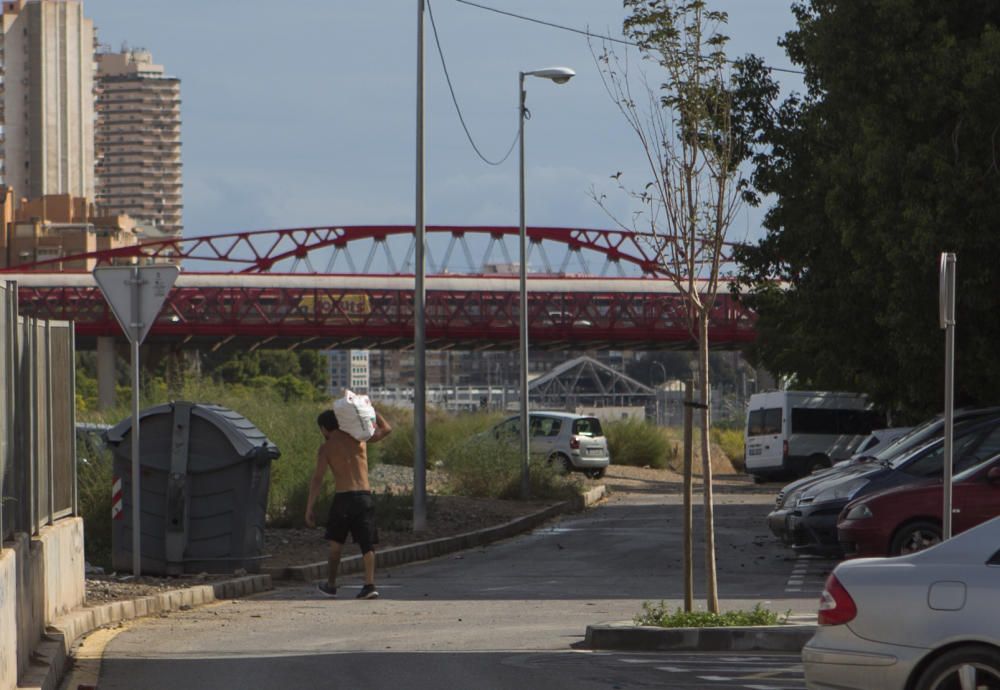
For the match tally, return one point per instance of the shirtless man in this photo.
(353, 508)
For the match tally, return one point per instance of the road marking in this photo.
(809, 573)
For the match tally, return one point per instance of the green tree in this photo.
(278, 363)
(889, 158)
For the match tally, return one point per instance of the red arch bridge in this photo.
(352, 287)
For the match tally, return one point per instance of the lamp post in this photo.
(559, 75)
(663, 370)
(419, 307)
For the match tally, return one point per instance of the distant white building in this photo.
(348, 369)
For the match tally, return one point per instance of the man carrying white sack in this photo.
(353, 508)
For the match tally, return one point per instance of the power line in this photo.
(582, 32)
(454, 100)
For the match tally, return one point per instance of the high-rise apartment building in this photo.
(139, 142)
(47, 117)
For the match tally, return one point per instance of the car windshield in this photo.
(965, 474)
(973, 445)
(915, 436)
(897, 452)
(587, 426)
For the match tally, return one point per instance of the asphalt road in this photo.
(511, 615)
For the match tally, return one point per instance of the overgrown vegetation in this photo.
(485, 467)
(640, 444)
(731, 443)
(659, 615)
(94, 477)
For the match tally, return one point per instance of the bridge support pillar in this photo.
(106, 357)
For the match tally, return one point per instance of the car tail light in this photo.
(836, 606)
(784, 448)
(574, 442)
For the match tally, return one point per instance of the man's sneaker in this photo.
(327, 589)
(368, 592)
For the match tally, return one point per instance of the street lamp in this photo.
(560, 75)
(659, 418)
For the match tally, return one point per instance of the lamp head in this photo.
(560, 75)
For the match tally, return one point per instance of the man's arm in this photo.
(315, 484)
(382, 429)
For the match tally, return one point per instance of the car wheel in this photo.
(965, 667)
(561, 461)
(916, 536)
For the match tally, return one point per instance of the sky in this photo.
(303, 113)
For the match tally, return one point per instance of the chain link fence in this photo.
(37, 420)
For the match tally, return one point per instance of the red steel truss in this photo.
(282, 300)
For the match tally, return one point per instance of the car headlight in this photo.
(840, 490)
(859, 512)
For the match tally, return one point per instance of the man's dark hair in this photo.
(328, 420)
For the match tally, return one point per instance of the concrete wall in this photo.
(41, 579)
(8, 619)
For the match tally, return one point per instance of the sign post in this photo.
(946, 314)
(135, 295)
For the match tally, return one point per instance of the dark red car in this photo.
(908, 518)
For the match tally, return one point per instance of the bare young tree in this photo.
(684, 210)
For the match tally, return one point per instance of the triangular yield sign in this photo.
(147, 286)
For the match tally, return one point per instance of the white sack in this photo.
(355, 415)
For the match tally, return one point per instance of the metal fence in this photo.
(37, 420)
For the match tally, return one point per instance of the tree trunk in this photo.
(688, 492)
(711, 585)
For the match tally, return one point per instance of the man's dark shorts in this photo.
(353, 512)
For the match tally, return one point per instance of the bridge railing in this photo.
(37, 420)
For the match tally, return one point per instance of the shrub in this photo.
(489, 468)
(94, 477)
(731, 443)
(659, 615)
(639, 443)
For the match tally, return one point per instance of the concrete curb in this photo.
(765, 638)
(425, 550)
(50, 655)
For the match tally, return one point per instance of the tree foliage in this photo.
(888, 159)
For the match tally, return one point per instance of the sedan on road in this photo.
(926, 621)
(811, 524)
(908, 519)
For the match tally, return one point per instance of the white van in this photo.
(798, 432)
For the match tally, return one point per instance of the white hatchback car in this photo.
(571, 441)
(926, 621)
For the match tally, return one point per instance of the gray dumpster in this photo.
(205, 473)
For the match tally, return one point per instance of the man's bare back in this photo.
(347, 458)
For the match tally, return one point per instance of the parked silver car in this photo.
(926, 621)
(571, 441)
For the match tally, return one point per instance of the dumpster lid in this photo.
(247, 440)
